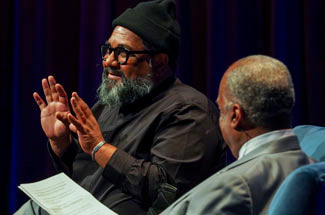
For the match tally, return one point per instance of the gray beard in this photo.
(114, 94)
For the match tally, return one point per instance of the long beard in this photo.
(113, 93)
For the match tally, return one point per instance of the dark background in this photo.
(61, 38)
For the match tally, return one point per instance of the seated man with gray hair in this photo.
(256, 96)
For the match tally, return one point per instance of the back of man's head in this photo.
(263, 87)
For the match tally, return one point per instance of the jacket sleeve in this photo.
(76, 170)
(64, 164)
(186, 149)
(226, 194)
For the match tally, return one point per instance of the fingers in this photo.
(76, 124)
(47, 91)
(63, 117)
(73, 128)
(83, 106)
(82, 110)
(41, 104)
(63, 97)
(50, 91)
(70, 121)
(55, 94)
(79, 113)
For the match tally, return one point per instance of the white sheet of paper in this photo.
(60, 195)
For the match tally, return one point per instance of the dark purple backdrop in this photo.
(60, 38)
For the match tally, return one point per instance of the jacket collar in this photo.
(280, 145)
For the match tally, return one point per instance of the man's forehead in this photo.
(123, 31)
(125, 37)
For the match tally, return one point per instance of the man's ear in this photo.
(160, 66)
(160, 59)
(236, 116)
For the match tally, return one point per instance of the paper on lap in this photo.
(62, 196)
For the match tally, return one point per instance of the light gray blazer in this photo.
(247, 185)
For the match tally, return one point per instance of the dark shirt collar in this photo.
(146, 100)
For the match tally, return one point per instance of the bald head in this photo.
(263, 87)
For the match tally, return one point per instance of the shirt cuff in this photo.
(118, 166)
(65, 162)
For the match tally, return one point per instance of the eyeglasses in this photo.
(121, 54)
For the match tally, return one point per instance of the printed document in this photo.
(60, 195)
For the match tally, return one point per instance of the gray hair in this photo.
(113, 94)
(263, 87)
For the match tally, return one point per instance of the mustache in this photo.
(116, 72)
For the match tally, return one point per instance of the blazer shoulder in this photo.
(226, 193)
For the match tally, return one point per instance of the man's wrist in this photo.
(60, 146)
(96, 148)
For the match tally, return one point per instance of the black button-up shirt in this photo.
(170, 135)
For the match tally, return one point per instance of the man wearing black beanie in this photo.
(149, 138)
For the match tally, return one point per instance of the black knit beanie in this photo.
(155, 23)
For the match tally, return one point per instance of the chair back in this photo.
(302, 192)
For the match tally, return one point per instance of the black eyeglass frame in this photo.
(117, 50)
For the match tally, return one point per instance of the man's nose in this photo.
(109, 60)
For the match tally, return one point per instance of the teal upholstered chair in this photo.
(303, 191)
(312, 141)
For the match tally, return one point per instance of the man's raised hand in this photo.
(54, 114)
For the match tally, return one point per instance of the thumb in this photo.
(73, 128)
(63, 117)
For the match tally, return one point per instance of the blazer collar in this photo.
(280, 145)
